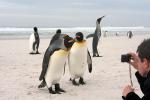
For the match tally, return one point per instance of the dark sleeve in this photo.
(132, 96)
(141, 80)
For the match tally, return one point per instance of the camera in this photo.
(125, 58)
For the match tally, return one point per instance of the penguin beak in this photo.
(102, 17)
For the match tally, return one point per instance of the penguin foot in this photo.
(94, 55)
(97, 56)
(51, 91)
(81, 81)
(58, 89)
(43, 84)
(38, 52)
(57, 92)
(75, 83)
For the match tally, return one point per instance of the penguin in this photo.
(129, 34)
(34, 41)
(96, 36)
(79, 57)
(54, 62)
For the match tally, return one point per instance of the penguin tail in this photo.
(89, 36)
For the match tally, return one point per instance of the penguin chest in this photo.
(56, 66)
(78, 59)
(31, 41)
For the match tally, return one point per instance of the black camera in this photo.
(125, 58)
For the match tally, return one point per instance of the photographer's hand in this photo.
(134, 60)
(127, 90)
(136, 63)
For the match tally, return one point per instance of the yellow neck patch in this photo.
(80, 44)
(62, 52)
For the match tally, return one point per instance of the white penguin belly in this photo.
(77, 60)
(56, 67)
(31, 41)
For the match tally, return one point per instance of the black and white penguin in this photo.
(129, 34)
(34, 41)
(79, 57)
(54, 62)
(96, 36)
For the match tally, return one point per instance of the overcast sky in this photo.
(73, 13)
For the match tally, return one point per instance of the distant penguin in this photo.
(54, 62)
(129, 34)
(79, 57)
(34, 42)
(96, 36)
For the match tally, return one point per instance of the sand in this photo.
(19, 71)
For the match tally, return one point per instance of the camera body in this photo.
(125, 58)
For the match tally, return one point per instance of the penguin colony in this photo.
(62, 49)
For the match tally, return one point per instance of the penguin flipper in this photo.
(89, 36)
(89, 61)
(45, 63)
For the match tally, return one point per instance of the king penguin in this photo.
(79, 57)
(34, 41)
(96, 36)
(54, 62)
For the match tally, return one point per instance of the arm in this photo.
(141, 80)
(131, 96)
(134, 96)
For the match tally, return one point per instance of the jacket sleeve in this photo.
(134, 96)
(141, 80)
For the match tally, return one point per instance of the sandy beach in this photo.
(19, 71)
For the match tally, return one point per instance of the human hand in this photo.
(135, 60)
(136, 63)
(127, 89)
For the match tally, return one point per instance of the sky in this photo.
(74, 13)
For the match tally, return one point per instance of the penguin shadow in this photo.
(34, 53)
(97, 56)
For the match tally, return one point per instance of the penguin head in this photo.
(79, 36)
(68, 41)
(58, 31)
(99, 19)
(35, 29)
